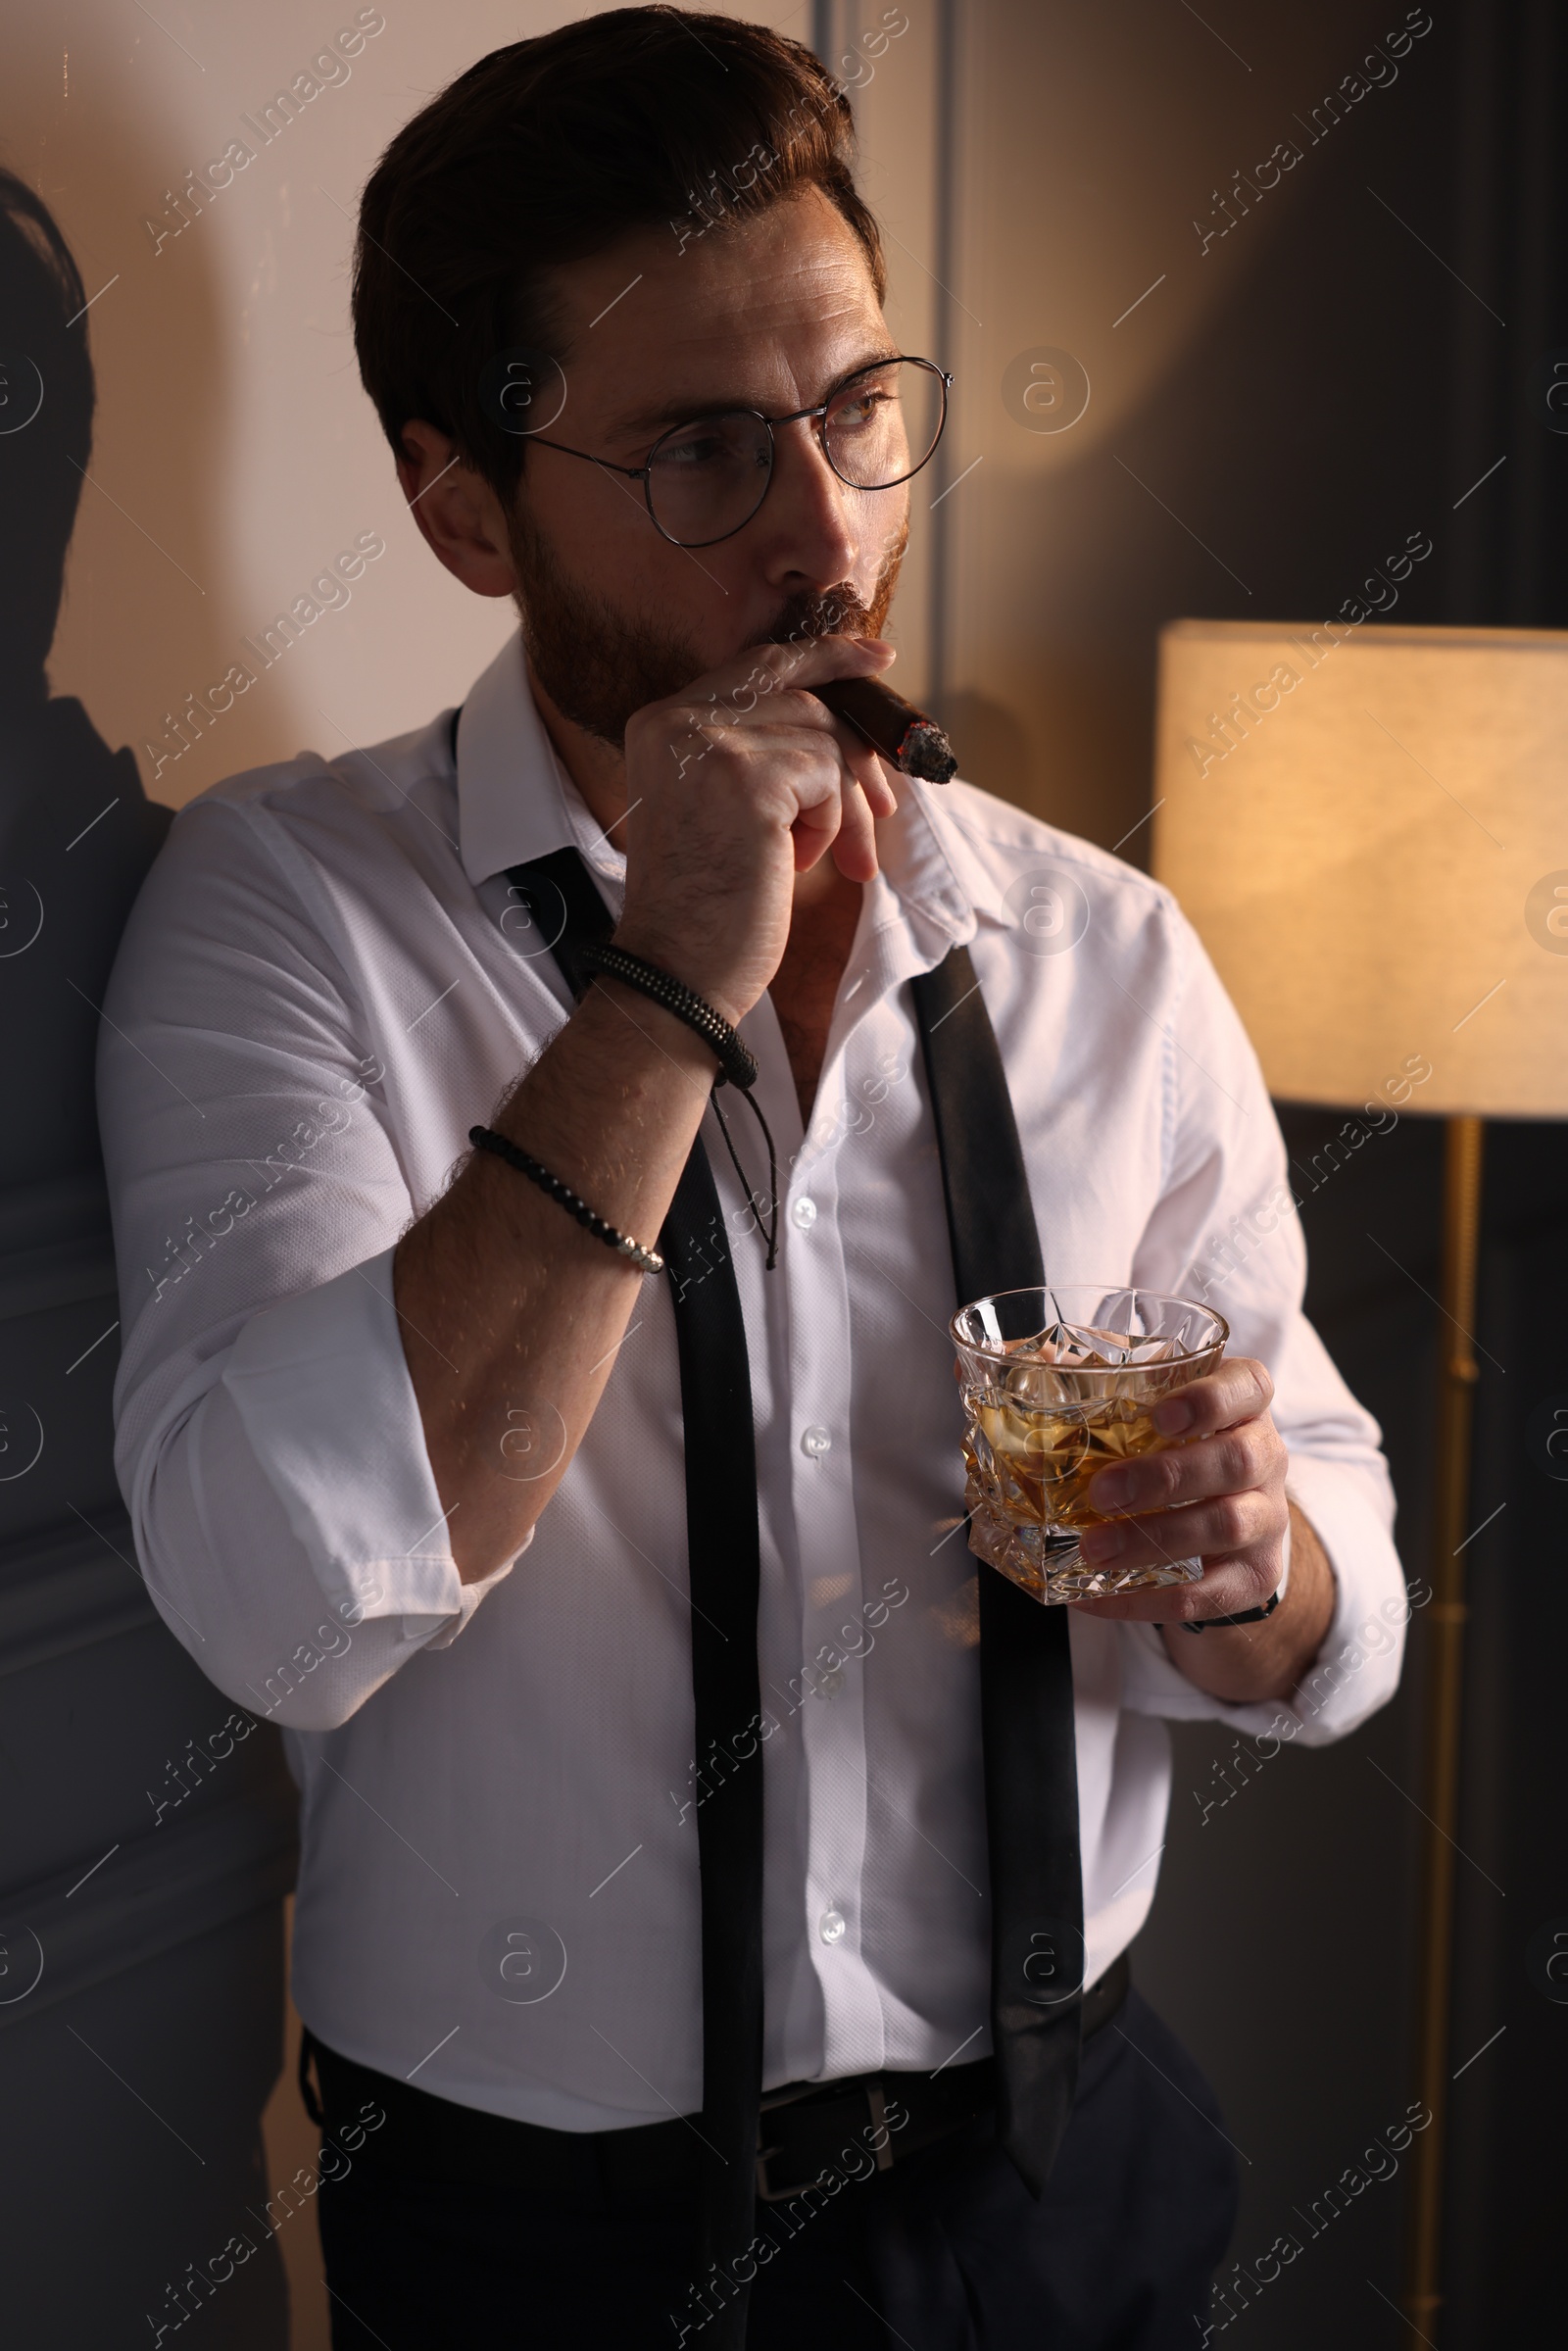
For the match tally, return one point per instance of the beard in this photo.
(600, 665)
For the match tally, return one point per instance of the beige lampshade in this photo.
(1369, 828)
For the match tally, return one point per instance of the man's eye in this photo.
(708, 443)
(853, 416)
(696, 449)
(723, 444)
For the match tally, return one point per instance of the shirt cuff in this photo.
(1357, 1667)
(323, 1391)
(1283, 1584)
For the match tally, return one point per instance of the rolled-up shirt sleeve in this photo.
(1227, 1231)
(268, 1444)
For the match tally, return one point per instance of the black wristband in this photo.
(736, 1062)
(1247, 1616)
(646, 1260)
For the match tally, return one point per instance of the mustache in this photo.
(841, 610)
(837, 611)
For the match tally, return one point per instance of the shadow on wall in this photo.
(163, 344)
(140, 1964)
(77, 832)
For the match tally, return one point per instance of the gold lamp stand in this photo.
(1444, 1703)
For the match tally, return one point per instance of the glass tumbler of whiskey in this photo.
(1058, 1384)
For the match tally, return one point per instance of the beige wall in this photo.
(236, 453)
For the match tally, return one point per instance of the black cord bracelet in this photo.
(1248, 1616)
(737, 1064)
(646, 1260)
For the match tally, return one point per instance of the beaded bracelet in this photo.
(646, 1260)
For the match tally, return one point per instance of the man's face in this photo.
(770, 314)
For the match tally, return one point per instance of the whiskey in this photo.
(1033, 1465)
(1052, 1397)
(1044, 1413)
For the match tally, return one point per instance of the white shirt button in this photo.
(815, 1441)
(830, 1926)
(804, 1213)
(829, 1684)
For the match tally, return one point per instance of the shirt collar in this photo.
(943, 870)
(515, 801)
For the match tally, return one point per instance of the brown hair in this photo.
(548, 152)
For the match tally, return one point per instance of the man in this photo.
(425, 1471)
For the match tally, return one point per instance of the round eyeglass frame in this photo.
(644, 474)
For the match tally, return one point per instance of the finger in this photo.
(862, 796)
(794, 705)
(855, 848)
(811, 662)
(864, 766)
(883, 793)
(759, 673)
(826, 799)
(875, 775)
(751, 711)
(868, 794)
(1217, 1528)
(1237, 1390)
(1252, 1453)
(877, 780)
(1227, 1588)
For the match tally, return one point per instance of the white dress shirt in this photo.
(322, 986)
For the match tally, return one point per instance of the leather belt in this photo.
(810, 2127)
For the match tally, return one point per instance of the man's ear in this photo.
(459, 514)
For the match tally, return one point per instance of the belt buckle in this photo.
(876, 2107)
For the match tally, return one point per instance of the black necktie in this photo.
(1026, 1703)
(1025, 1670)
(724, 1568)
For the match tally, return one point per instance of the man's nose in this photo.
(810, 520)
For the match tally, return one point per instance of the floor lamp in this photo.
(1367, 825)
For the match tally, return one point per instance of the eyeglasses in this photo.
(704, 481)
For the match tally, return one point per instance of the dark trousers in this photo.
(456, 2231)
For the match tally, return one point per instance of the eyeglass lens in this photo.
(707, 478)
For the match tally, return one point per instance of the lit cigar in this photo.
(906, 737)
